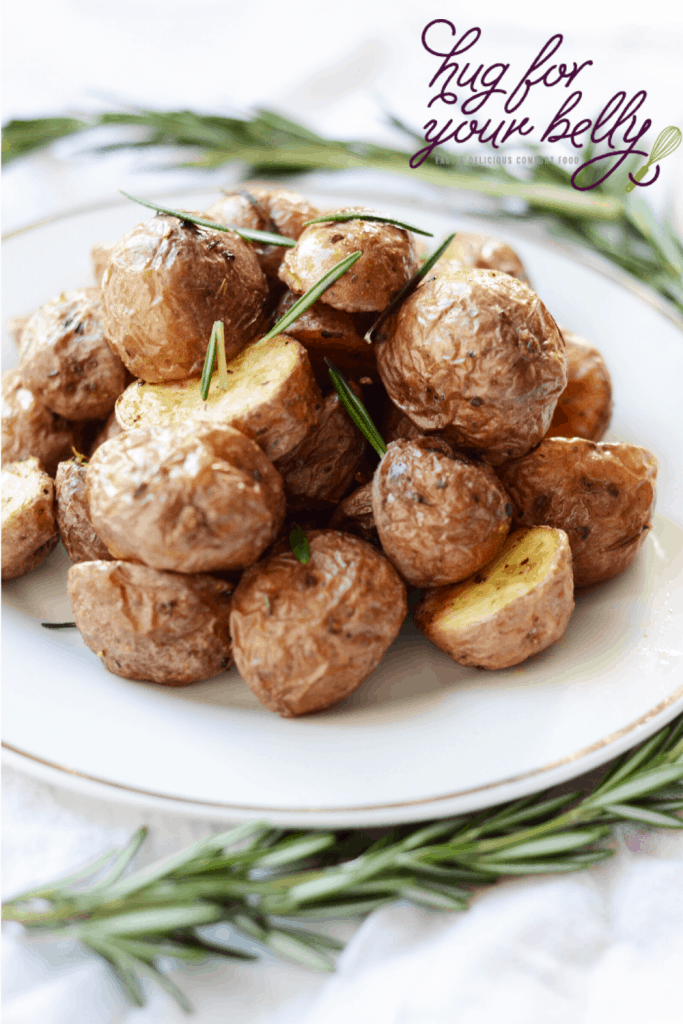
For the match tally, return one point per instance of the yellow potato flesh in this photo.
(521, 565)
(256, 375)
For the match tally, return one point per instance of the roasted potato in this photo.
(157, 627)
(306, 636)
(166, 283)
(29, 428)
(73, 514)
(475, 355)
(66, 360)
(278, 210)
(439, 515)
(354, 515)
(601, 495)
(397, 425)
(29, 530)
(99, 257)
(328, 333)
(273, 398)
(388, 262)
(196, 500)
(584, 408)
(15, 328)
(514, 607)
(319, 471)
(469, 249)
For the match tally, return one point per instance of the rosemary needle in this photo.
(356, 410)
(298, 542)
(360, 215)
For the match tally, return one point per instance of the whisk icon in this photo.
(666, 142)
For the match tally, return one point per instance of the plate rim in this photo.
(588, 757)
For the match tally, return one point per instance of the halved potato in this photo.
(273, 398)
(514, 607)
(29, 530)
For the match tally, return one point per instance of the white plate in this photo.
(423, 737)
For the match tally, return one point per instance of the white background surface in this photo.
(604, 946)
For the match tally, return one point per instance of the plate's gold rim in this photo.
(575, 253)
(259, 809)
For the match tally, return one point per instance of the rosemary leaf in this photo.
(251, 234)
(409, 286)
(311, 296)
(360, 215)
(298, 542)
(58, 625)
(356, 410)
(209, 362)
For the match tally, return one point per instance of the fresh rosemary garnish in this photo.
(408, 287)
(311, 296)
(360, 215)
(251, 234)
(621, 227)
(298, 542)
(356, 410)
(58, 625)
(268, 882)
(209, 362)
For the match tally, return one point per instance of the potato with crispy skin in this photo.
(166, 283)
(30, 429)
(486, 252)
(602, 495)
(475, 355)
(29, 530)
(397, 425)
(388, 262)
(278, 210)
(319, 471)
(67, 362)
(439, 515)
(272, 398)
(99, 257)
(584, 408)
(195, 500)
(110, 429)
(328, 333)
(515, 607)
(354, 515)
(157, 627)
(73, 514)
(306, 636)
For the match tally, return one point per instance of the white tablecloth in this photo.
(605, 945)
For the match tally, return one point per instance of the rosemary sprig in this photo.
(215, 350)
(356, 410)
(268, 143)
(311, 296)
(58, 625)
(251, 234)
(360, 215)
(266, 882)
(298, 542)
(408, 287)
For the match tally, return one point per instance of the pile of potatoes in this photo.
(496, 495)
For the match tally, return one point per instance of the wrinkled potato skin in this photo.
(66, 360)
(29, 530)
(439, 515)
(306, 636)
(329, 333)
(166, 283)
(475, 355)
(190, 501)
(354, 515)
(486, 252)
(110, 429)
(389, 260)
(278, 210)
(29, 428)
(157, 627)
(584, 408)
(73, 514)
(277, 419)
(319, 471)
(517, 631)
(602, 495)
